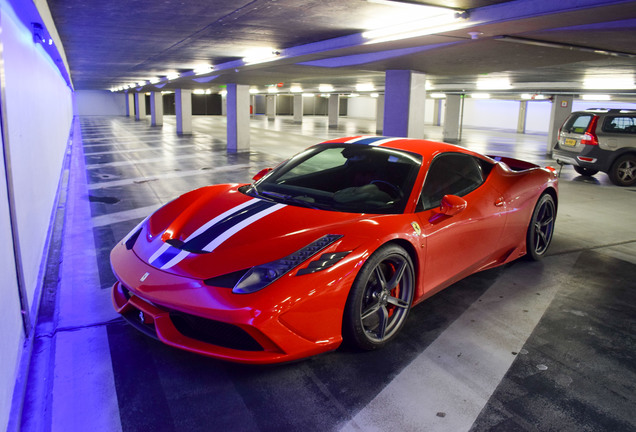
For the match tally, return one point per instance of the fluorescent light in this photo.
(528, 96)
(595, 97)
(438, 95)
(154, 80)
(354, 95)
(296, 89)
(198, 91)
(308, 95)
(493, 84)
(433, 20)
(260, 55)
(254, 91)
(272, 90)
(365, 87)
(480, 95)
(375, 95)
(173, 75)
(203, 69)
(223, 93)
(615, 83)
(141, 83)
(325, 88)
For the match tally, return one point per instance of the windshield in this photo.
(343, 177)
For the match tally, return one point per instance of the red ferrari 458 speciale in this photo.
(335, 244)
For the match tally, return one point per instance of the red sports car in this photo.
(336, 243)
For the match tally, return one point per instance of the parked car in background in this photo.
(600, 140)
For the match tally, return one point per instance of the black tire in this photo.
(380, 299)
(541, 228)
(623, 171)
(585, 171)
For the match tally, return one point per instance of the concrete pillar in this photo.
(130, 104)
(298, 108)
(252, 104)
(437, 112)
(224, 104)
(238, 118)
(183, 108)
(404, 103)
(140, 98)
(521, 120)
(156, 109)
(452, 130)
(270, 107)
(333, 110)
(379, 114)
(561, 109)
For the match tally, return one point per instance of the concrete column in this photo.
(437, 112)
(333, 110)
(521, 121)
(140, 98)
(561, 109)
(270, 107)
(404, 103)
(238, 118)
(252, 104)
(183, 108)
(452, 130)
(298, 108)
(224, 104)
(156, 109)
(379, 114)
(130, 104)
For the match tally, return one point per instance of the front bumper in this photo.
(189, 315)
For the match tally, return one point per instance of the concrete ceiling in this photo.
(538, 45)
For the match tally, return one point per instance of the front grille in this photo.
(214, 332)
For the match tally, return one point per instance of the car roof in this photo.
(428, 149)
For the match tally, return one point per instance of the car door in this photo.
(460, 244)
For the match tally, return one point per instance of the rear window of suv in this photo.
(577, 123)
(620, 124)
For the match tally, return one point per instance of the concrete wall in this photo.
(38, 112)
(100, 102)
(362, 107)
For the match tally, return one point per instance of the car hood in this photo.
(218, 230)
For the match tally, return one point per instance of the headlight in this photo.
(258, 277)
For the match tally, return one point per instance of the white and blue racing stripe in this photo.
(372, 140)
(214, 232)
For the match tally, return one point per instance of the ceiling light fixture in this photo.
(325, 88)
(365, 87)
(203, 69)
(480, 95)
(493, 84)
(254, 91)
(260, 55)
(433, 20)
(173, 75)
(614, 83)
(596, 97)
(438, 95)
(296, 89)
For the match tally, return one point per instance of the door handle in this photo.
(500, 202)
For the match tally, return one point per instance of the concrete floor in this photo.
(530, 346)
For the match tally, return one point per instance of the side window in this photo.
(624, 124)
(450, 174)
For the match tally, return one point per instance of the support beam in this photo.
(561, 109)
(379, 114)
(270, 107)
(130, 105)
(298, 108)
(156, 109)
(452, 130)
(404, 103)
(140, 99)
(238, 118)
(183, 105)
(437, 112)
(333, 110)
(521, 120)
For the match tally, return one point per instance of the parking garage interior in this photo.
(110, 111)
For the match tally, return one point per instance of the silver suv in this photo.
(600, 140)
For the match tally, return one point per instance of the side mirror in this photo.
(259, 175)
(451, 205)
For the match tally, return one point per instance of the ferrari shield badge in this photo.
(416, 227)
